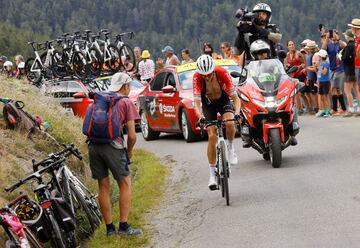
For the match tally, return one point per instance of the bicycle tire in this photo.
(58, 66)
(115, 61)
(34, 77)
(56, 236)
(92, 216)
(66, 59)
(47, 69)
(34, 243)
(224, 173)
(80, 69)
(127, 51)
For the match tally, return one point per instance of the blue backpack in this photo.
(101, 124)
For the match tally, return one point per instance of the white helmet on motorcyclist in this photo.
(264, 8)
(259, 47)
(205, 64)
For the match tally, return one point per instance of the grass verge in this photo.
(148, 183)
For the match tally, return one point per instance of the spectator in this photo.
(324, 85)
(185, 54)
(348, 59)
(137, 54)
(355, 28)
(2, 61)
(295, 58)
(333, 45)
(146, 67)
(9, 70)
(115, 157)
(171, 58)
(20, 71)
(311, 67)
(209, 50)
(125, 62)
(228, 53)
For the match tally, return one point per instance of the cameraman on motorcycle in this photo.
(254, 26)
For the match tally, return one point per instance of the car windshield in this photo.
(266, 74)
(186, 77)
(135, 84)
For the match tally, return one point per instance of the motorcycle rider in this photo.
(259, 28)
(260, 50)
(213, 88)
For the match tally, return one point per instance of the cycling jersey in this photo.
(357, 59)
(223, 79)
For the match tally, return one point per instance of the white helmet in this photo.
(205, 64)
(259, 46)
(8, 63)
(262, 7)
(21, 65)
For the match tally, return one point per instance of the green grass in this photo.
(149, 180)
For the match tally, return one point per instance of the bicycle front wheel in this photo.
(114, 62)
(79, 65)
(224, 173)
(33, 71)
(127, 52)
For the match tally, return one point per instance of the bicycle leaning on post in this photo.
(222, 171)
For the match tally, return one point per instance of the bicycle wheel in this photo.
(66, 58)
(33, 71)
(58, 66)
(79, 65)
(57, 235)
(96, 64)
(86, 208)
(127, 52)
(115, 62)
(224, 173)
(34, 243)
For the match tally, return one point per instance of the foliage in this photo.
(182, 24)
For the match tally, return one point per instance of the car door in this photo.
(168, 104)
(155, 119)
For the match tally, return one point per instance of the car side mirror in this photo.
(168, 89)
(80, 95)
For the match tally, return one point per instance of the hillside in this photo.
(179, 23)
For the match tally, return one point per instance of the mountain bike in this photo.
(81, 200)
(20, 236)
(222, 171)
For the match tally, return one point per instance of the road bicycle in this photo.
(20, 236)
(222, 171)
(126, 52)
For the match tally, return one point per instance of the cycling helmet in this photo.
(259, 46)
(262, 7)
(29, 212)
(205, 64)
(21, 65)
(8, 63)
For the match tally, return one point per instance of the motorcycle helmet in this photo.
(263, 7)
(205, 64)
(259, 47)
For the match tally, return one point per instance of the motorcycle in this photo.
(266, 94)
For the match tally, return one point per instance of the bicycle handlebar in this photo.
(34, 175)
(218, 123)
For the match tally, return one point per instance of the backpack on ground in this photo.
(17, 118)
(101, 124)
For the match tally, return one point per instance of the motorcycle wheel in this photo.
(275, 147)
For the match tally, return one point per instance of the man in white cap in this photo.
(355, 28)
(113, 157)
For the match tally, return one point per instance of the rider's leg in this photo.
(230, 134)
(211, 153)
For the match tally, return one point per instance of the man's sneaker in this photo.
(212, 183)
(130, 231)
(232, 156)
(110, 232)
(321, 113)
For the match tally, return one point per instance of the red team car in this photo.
(167, 103)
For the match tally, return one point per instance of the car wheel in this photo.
(146, 131)
(188, 133)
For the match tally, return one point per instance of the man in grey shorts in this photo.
(114, 157)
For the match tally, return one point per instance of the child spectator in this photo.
(324, 84)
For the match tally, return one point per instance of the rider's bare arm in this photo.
(275, 37)
(236, 102)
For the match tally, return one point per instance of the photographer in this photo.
(253, 26)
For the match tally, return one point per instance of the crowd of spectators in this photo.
(11, 69)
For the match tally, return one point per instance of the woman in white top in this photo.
(146, 67)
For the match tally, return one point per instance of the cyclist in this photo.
(258, 29)
(213, 88)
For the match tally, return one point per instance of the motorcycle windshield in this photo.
(266, 74)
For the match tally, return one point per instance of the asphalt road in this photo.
(313, 200)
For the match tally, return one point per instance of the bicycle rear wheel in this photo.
(33, 71)
(57, 237)
(224, 173)
(79, 65)
(127, 52)
(115, 60)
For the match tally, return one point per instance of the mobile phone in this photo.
(331, 33)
